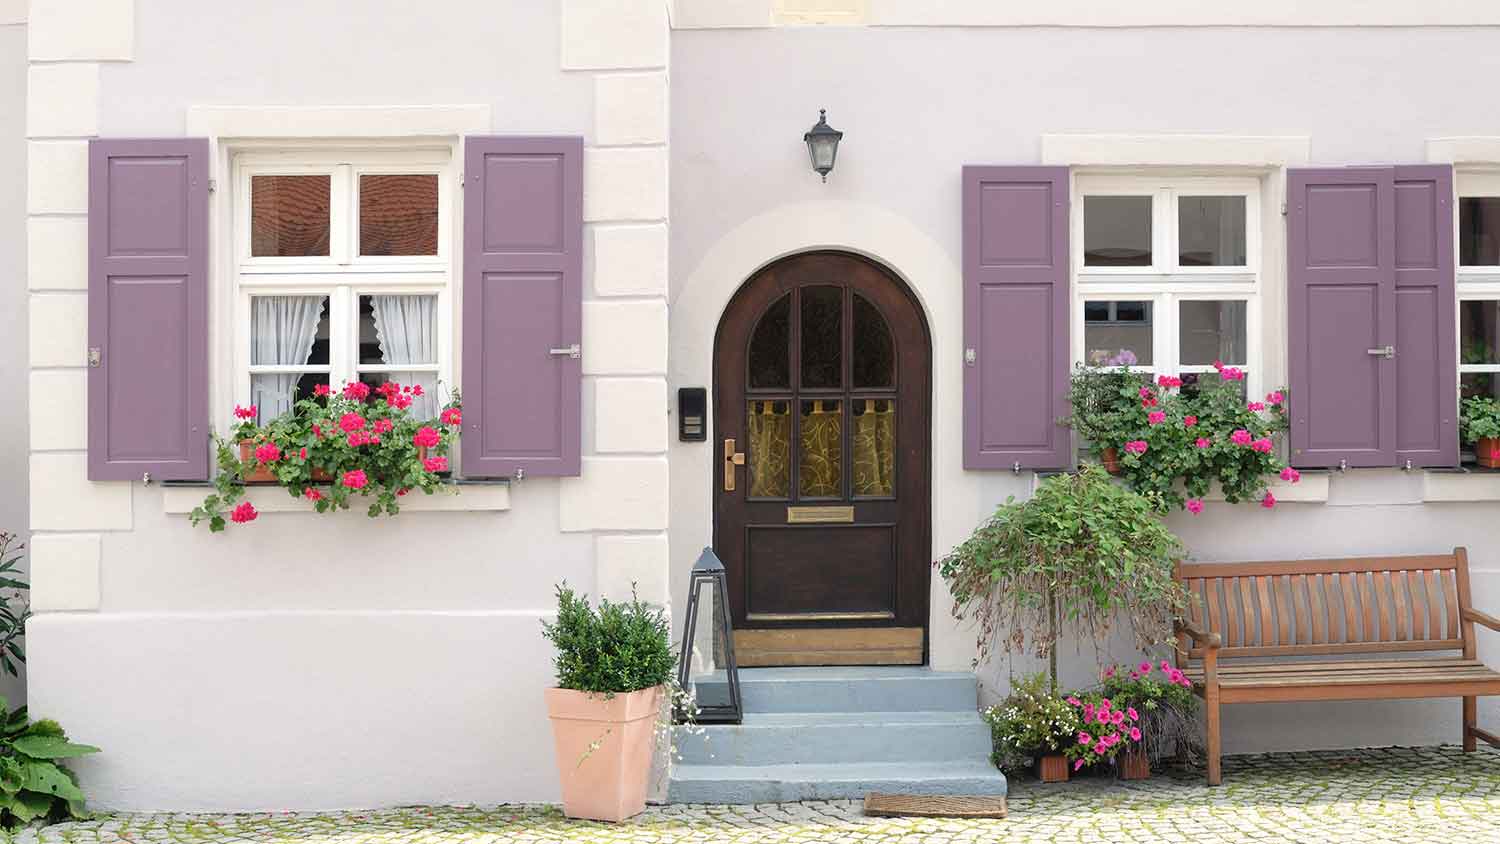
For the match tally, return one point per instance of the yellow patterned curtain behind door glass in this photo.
(769, 428)
(874, 443)
(820, 463)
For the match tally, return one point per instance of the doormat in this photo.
(933, 806)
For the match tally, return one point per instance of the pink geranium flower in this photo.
(1136, 446)
(1189, 421)
(357, 390)
(1203, 442)
(1275, 397)
(1291, 475)
(1219, 365)
(1073, 700)
(384, 426)
(1148, 402)
(1156, 417)
(1255, 407)
(312, 494)
(435, 464)
(426, 437)
(245, 412)
(1240, 437)
(1145, 392)
(245, 512)
(451, 416)
(351, 422)
(1263, 445)
(267, 453)
(1194, 506)
(322, 390)
(1269, 501)
(355, 479)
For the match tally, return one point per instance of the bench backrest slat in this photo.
(1321, 607)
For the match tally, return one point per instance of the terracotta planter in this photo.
(1052, 768)
(260, 474)
(1487, 452)
(1133, 763)
(1110, 457)
(603, 750)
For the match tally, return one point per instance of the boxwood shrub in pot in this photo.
(614, 672)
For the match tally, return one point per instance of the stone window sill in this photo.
(1469, 483)
(179, 499)
(1311, 489)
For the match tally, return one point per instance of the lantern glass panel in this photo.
(706, 678)
(823, 150)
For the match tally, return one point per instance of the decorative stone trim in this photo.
(1478, 149)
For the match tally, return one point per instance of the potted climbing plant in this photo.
(329, 448)
(1480, 425)
(1080, 553)
(614, 678)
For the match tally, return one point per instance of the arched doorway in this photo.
(822, 416)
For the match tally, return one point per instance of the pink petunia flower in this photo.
(1132, 714)
(1290, 474)
(1135, 733)
(1166, 666)
(1085, 738)
(1118, 717)
(1144, 667)
(1077, 763)
(1104, 702)
(1194, 505)
(1073, 700)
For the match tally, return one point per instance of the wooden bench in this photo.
(1349, 629)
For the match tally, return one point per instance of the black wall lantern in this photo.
(714, 683)
(823, 144)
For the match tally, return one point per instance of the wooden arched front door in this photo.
(822, 374)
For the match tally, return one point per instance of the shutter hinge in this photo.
(1283, 209)
(970, 356)
(520, 474)
(96, 356)
(213, 185)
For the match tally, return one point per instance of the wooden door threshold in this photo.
(829, 646)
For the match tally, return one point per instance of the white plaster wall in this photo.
(14, 418)
(918, 104)
(394, 661)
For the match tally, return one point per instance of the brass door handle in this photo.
(732, 459)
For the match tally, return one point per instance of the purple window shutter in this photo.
(148, 309)
(1426, 368)
(1015, 317)
(523, 305)
(1341, 311)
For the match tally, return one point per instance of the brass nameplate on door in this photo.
(819, 515)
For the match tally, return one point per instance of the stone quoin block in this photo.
(64, 572)
(629, 260)
(626, 183)
(625, 338)
(615, 493)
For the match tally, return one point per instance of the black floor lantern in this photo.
(714, 681)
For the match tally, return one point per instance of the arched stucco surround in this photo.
(959, 499)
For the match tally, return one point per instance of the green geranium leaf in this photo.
(51, 747)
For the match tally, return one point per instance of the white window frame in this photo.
(1166, 284)
(1474, 283)
(343, 275)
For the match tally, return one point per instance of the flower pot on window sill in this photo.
(1052, 768)
(604, 748)
(1133, 763)
(1487, 452)
(1110, 457)
(262, 474)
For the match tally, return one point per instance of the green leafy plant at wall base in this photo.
(34, 782)
(1480, 419)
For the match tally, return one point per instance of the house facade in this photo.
(571, 210)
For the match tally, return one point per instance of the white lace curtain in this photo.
(406, 326)
(282, 329)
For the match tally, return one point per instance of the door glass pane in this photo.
(398, 214)
(874, 362)
(820, 460)
(770, 356)
(1478, 331)
(822, 337)
(1117, 333)
(1479, 231)
(768, 429)
(1211, 231)
(1212, 331)
(1117, 231)
(289, 216)
(874, 444)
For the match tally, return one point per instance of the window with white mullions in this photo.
(1167, 274)
(344, 273)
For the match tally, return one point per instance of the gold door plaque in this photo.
(819, 515)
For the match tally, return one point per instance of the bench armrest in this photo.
(1471, 614)
(1199, 635)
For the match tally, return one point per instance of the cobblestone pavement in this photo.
(1420, 795)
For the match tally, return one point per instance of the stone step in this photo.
(837, 737)
(784, 783)
(853, 689)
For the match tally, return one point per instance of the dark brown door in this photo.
(821, 413)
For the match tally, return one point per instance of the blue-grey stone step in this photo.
(783, 783)
(854, 689)
(831, 737)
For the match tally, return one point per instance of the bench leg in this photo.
(1211, 728)
(1471, 720)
